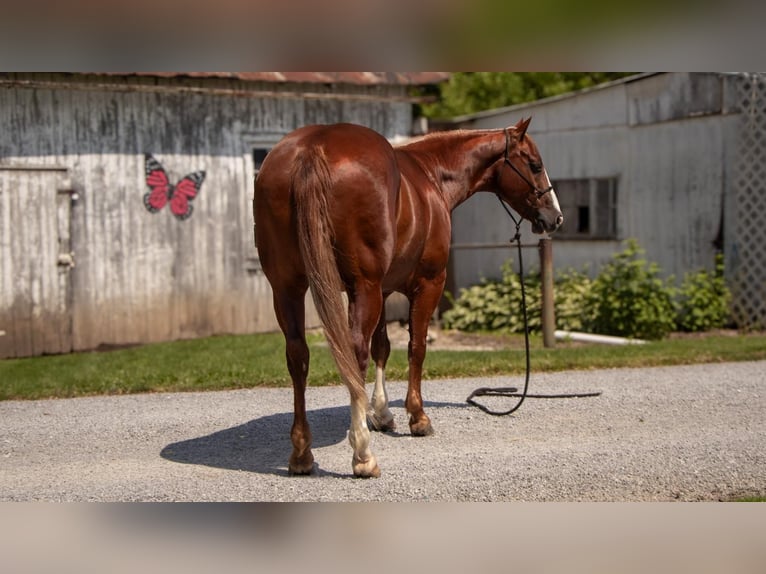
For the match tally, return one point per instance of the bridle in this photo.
(539, 193)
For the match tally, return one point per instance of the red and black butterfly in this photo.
(162, 191)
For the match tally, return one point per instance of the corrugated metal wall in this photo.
(668, 138)
(140, 276)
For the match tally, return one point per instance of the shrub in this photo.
(569, 295)
(703, 300)
(495, 305)
(629, 299)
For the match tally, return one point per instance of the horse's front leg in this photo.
(380, 351)
(422, 305)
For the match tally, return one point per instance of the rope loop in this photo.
(513, 391)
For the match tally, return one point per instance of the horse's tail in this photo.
(310, 183)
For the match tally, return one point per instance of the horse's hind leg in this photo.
(365, 304)
(290, 311)
(380, 351)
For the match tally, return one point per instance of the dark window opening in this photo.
(589, 206)
(253, 262)
(583, 219)
(259, 155)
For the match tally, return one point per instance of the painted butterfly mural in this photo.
(162, 191)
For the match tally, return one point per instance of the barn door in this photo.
(36, 261)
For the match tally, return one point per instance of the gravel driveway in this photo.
(669, 433)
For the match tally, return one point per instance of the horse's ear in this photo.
(521, 128)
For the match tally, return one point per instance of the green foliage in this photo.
(470, 92)
(703, 300)
(629, 299)
(569, 293)
(245, 361)
(496, 305)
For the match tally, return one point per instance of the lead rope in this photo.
(513, 391)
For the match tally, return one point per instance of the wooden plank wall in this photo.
(34, 288)
(141, 276)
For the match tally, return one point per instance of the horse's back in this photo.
(355, 155)
(361, 193)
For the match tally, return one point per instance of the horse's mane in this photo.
(434, 137)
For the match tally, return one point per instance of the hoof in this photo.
(366, 469)
(421, 428)
(300, 472)
(382, 425)
(388, 426)
(301, 465)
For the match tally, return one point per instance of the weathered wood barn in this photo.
(674, 160)
(125, 199)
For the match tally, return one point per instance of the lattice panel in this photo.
(747, 260)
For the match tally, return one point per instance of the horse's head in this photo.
(523, 182)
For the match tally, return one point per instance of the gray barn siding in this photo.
(668, 139)
(673, 196)
(142, 277)
(35, 289)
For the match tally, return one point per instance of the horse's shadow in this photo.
(263, 444)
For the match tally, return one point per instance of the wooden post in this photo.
(546, 279)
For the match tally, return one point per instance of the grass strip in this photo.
(244, 361)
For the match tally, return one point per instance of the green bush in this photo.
(629, 299)
(569, 295)
(495, 305)
(703, 300)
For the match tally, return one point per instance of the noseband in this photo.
(539, 193)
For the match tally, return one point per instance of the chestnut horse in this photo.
(337, 208)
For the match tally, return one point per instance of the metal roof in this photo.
(358, 78)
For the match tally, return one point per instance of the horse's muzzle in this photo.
(542, 224)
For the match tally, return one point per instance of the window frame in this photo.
(591, 214)
(251, 143)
